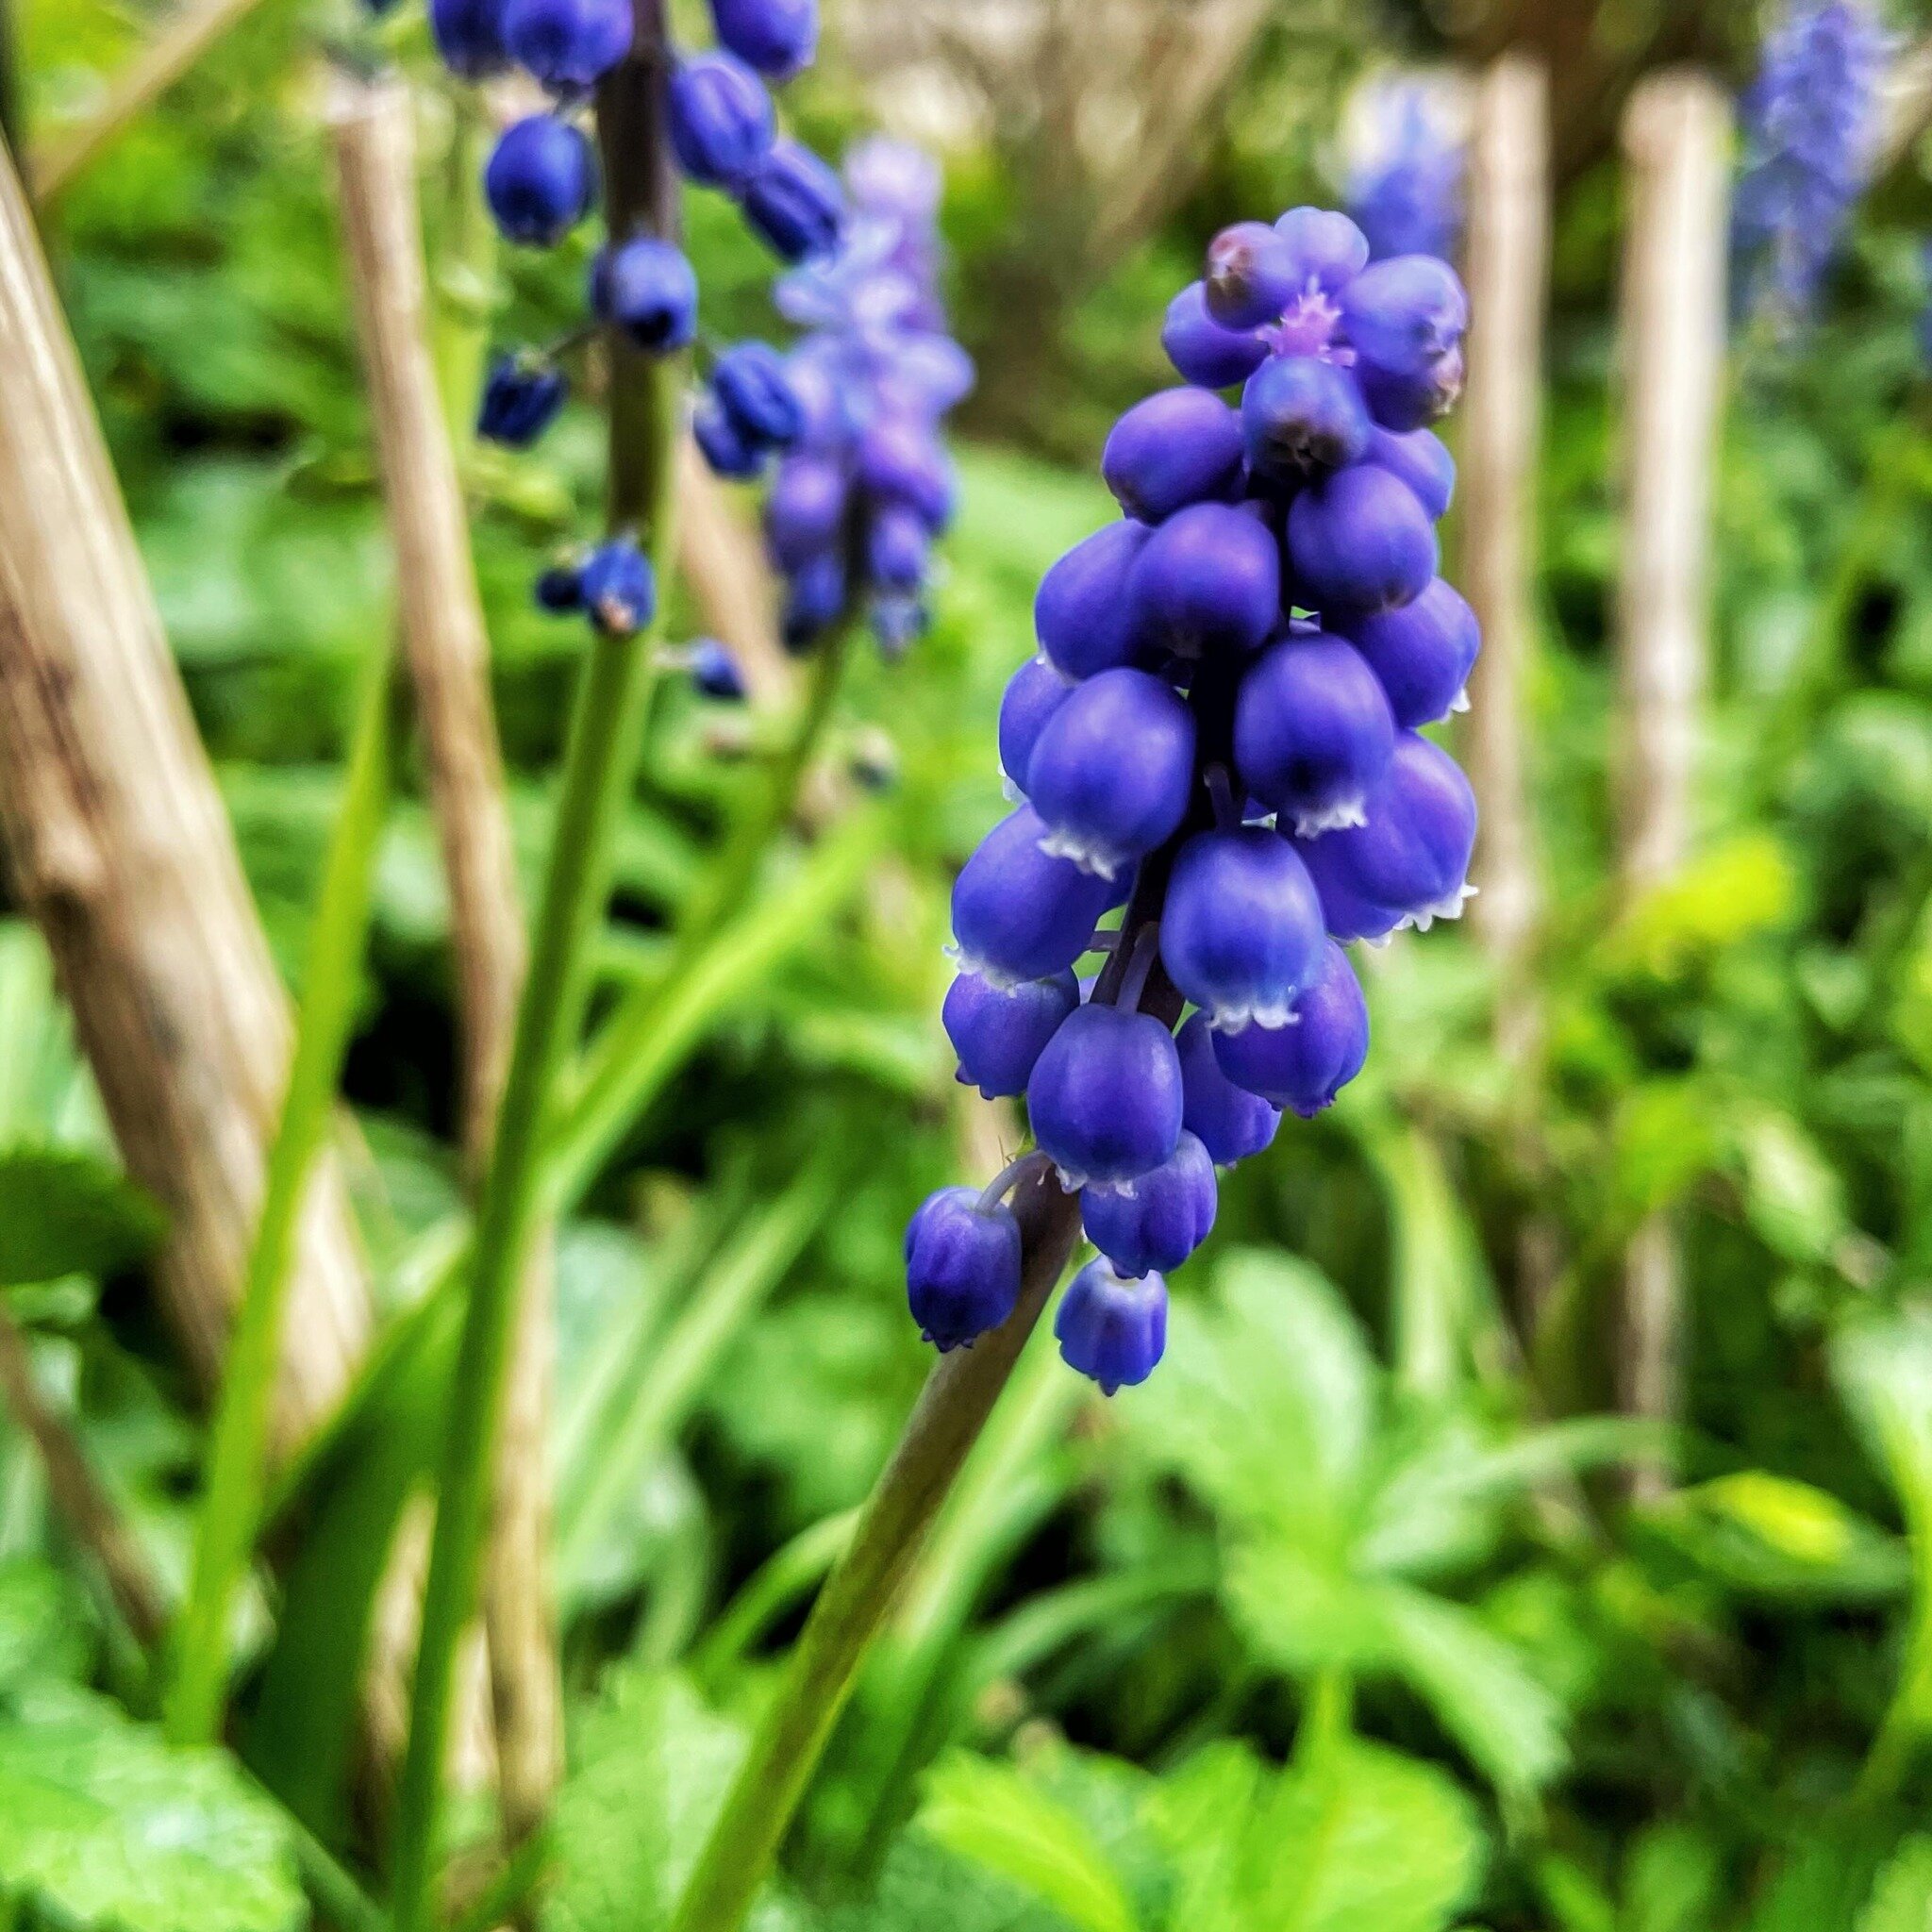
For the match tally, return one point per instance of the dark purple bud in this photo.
(1301, 414)
(1408, 864)
(777, 37)
(521, 398)
(1241, 932)
(1104, 1098)
(560, 589)
(1201, 350)
(1230, 1121)
(1110, 1327)
(539, 179)
(618, 587)
(1422, 460)
(1033, 694)
(1018, 911)
(752, 389)
(904, 461)
(645, 286)
(722, 120)
(469, 36)
(962, 1266)
(1328, 249)
(898, 548)
(999, 1032)
(1154, 1225)
(714, 670)
(814, 599)
(1208, 582)
(1305, 1066)
(1111, 770)
(723, 447)
(1405, 318)
(1082, 614)
(1360, 541)
(1179, 447)
(568, 44)
(1252, 274)
(1313, 732)
(1422, 653)
(805, 510)
(795, 203)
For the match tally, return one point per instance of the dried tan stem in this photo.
(721, 560)
(119, 846)
(1676, 141)
(448, 652)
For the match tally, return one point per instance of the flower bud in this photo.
(521, 398)
(1313, 732)
(777, 37)
(1208, 582)
(999, 1032)
(1300, 414)
(539, 181)
(560, 589)
(568, 44)
(1033, 694)
(1082, 613)
(1104, 1098)
(1305, 1065)
(804, 510)
(1422, 460)
(1179, 447)
(1359, 539)
(1228, 1120)
(1156, 1223)
(714, 670)
(646, 288)
(1327, 249)
(1111, 770)
(814, 600)
(722, 120)
(1251, 273)
(469, 36)
(1421, 653)
(1018, 911)
(901, 461)
(795, 203)
(1112, 1328)
(1201, 350)
(754, 391)
(618, 587)
(962, 1266)
(898, 549)
(1405, 318)
(1241, 933)
(723, 447)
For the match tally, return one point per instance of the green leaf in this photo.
(64, 1212)
(993, 1815)
(103, 1826)
(1673, 1881)
(926, 1888)
(1901, 1897)
(45, 1630)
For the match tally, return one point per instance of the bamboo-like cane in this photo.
(117, 843)
(1676, 145)
(448, 652)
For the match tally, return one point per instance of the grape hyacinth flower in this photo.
(1810, 124)
(1220, 728)
(1405, 188)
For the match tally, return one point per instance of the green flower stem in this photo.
(465, 268)
(952, 1409)
(777, 1583)
(237, 1443)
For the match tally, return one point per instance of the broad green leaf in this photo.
(991, 1813)
(45, 1630)
(67, 1213)
(103, 1826)
(1901, 1897)
(926, 1888)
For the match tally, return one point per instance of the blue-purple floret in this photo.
(1220, 728)
(1408, 200)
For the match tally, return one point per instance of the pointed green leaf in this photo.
(67, 1213)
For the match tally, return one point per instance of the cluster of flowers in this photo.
(1222, 733)
(1810, 122)
(542, 181)
(865, 485)
(1405, 191)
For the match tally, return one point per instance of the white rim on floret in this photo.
(995, 977)
(1460, 701)
(1010, 788)
(1448, 907)
(1099, 861)
(1339, 816)
(1270, 1017)
(1074, 1181)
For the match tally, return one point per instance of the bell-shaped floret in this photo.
(1360, 541)
(999, 1031)
(568, 44)
(902, 460)
(469, 36)
(777, 37)
(1240, 931)
(539, 179)
(1201, 350)
(1206, 582)
(1421, 653)
(1330, 250)
(1252, 272)
(1313, 732)
(1112, 1327)
(1033, 694)
(721, 119)
(1018, 911)
(898, 547)
(1300, 414)
(794, 202)
(1104, 1098)
(1229, 1122)
(1082, 614)
(617, 588)
(647, 289)
(1405, 318)
(1157, 1222)
(962, 1266)
(1422, 460)
(1175, 447)
(1303, 1066)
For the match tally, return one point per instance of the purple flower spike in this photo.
(1229, 1122)
(1300, 414)
(1019, 912)
(905, 461)
(1110, 1327)
(1330, 250)
(1111, 770)
(1154, 1225)
(962, 1266)
(1422, 460)
(1405, 318)
(1359, 539)
(1208, 582)
(805, 510)
(1409, 864)
(1179, 447)
(1253, 271)
(1201, 350)
(568, 44)
(1241, 932)
(999, 1032)
(1305, 1066)
(1422, 653)
(1033, 694)
(1082, 614)
(1313, 732)
(1104, 1098)
(722, 123)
